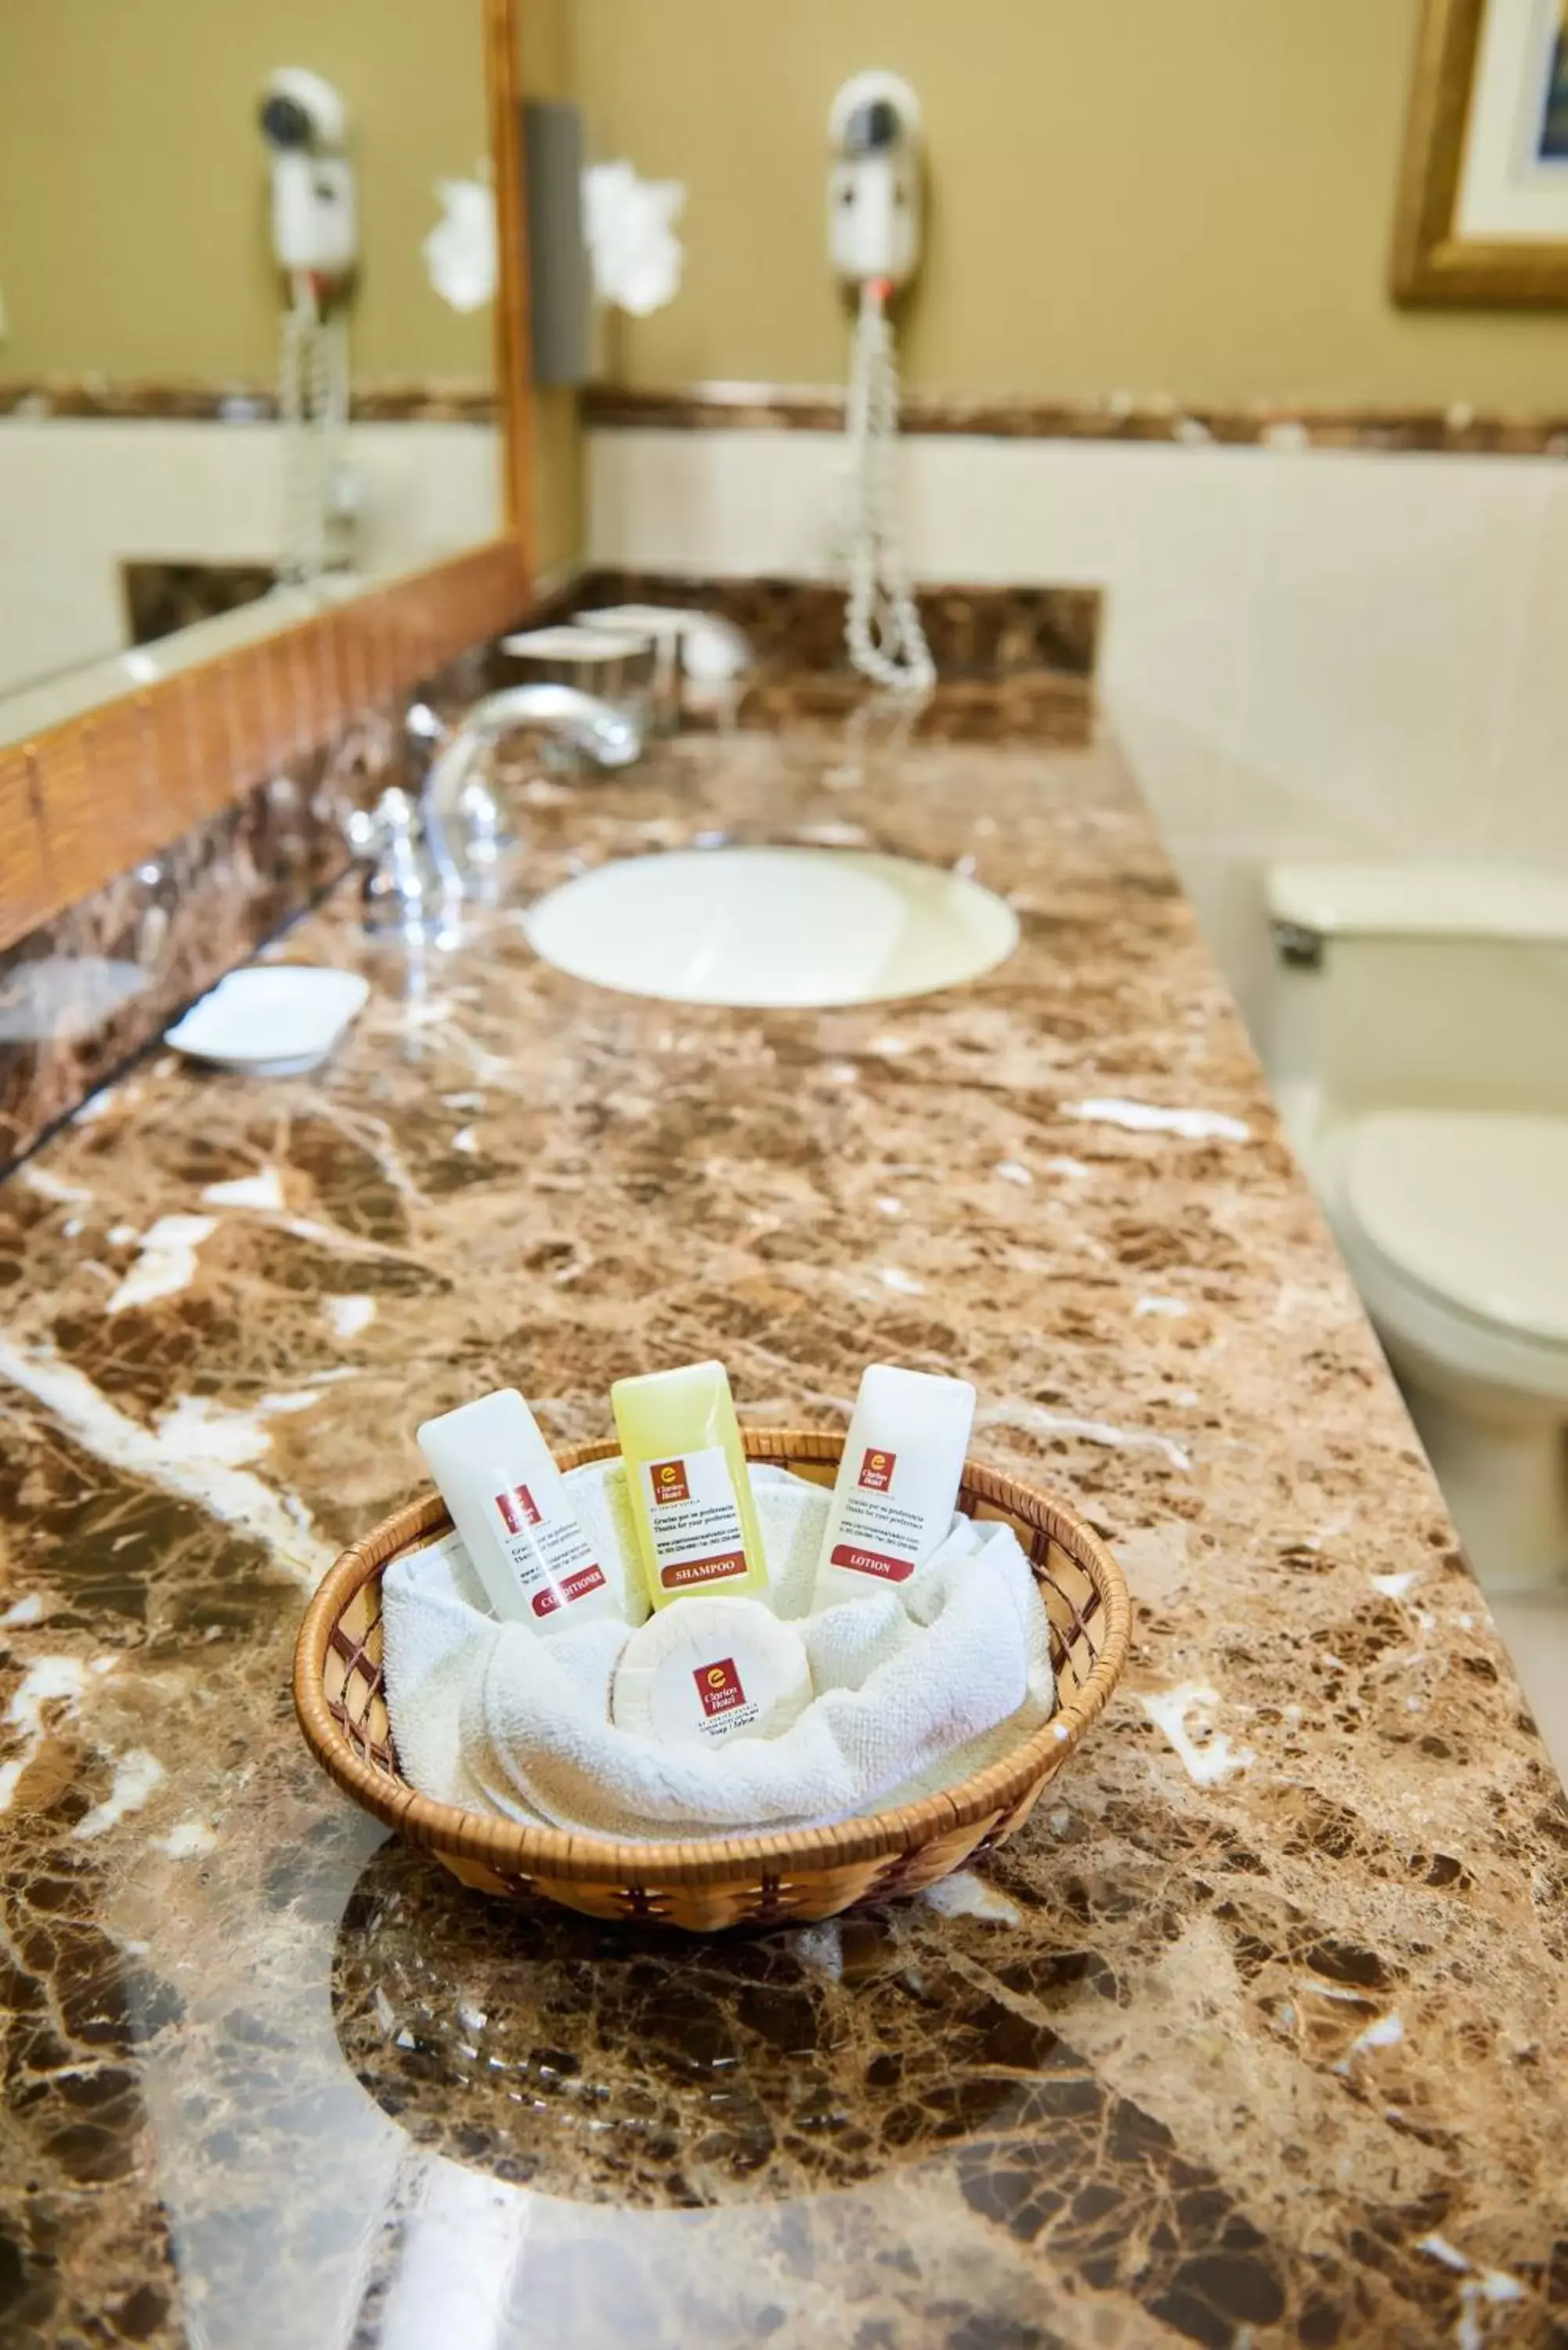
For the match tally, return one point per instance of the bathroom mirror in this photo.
(201, 446)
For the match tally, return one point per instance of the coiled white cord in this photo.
(313, 404)
(882, 628)
(303, 548)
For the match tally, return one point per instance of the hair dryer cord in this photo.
(882, 630)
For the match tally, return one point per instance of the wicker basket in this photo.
(742, 1880)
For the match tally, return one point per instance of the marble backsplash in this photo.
(798, 623)
(1457, 430)
(84, 995)
(157, 400)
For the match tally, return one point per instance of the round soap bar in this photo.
(711, 1668)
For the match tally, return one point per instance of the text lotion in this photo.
(897, 1481)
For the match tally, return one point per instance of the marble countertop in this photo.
(1257, 2033)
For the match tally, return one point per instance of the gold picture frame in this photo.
(1436, 258)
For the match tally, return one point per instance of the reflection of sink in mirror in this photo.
(772, 927)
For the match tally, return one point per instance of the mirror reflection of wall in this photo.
(148, 476)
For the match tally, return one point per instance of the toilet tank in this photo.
(1415, 986)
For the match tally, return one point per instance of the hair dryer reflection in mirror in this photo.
(873, 227)
(316, 240)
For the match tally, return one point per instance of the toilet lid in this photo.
(1474, 1208)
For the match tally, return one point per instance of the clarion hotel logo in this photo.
(518, 1509)
(719, 1686)
(877, 1471)
(670, 1483)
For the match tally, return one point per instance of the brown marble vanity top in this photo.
(1257, 2034)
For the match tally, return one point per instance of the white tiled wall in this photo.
(77, 496)
(1306, 651)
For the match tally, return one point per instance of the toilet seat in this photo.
(1455, 1226)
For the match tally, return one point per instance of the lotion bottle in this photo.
(897, 1481)
(690, 1494)
(509, 1501)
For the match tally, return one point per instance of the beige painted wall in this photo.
(1185, 196)
(133, 189)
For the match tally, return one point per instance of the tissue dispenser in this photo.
(558, 289)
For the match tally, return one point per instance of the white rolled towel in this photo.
(916, 1688)
(438, 1620)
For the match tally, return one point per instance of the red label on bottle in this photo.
(877, 1471)
(718, 1569)
(576, 1586)
(518, 1509)
(719, 1686)
(669, 1482)
(872, 1562)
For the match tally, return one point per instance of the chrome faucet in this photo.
(401, 893)
(595, 727)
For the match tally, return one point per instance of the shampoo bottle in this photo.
(509, 1501)
(690, 1494)
(898, 1483)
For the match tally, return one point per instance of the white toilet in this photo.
(1417, 1048)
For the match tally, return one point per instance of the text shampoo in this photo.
(690, 1493)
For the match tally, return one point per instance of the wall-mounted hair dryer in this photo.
(874, 195)
(874, 225)
(315, 224)
(316, 240)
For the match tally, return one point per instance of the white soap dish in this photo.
(271, 1020)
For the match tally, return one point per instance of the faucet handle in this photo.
(402, 890)
(715, 651)
(717, 661)
(424, 724)
(424, 733)
(362, 832)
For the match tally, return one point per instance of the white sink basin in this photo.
(759, 927)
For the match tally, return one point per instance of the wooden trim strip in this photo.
(90, 798)
(514, 367)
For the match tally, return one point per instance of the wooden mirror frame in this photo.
(86, 800)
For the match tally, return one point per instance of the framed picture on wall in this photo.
(1483, 192)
